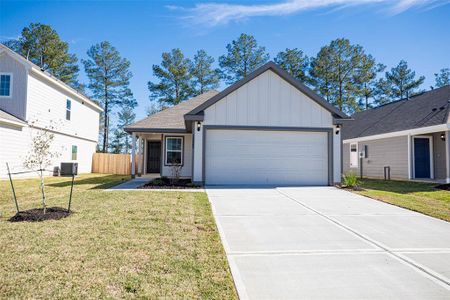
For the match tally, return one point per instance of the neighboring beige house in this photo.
(27, 95)
(266, 129)
(411, 136)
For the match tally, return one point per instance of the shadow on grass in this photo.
(399, 187)
(100, 182)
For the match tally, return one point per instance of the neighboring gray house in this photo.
(411, 136)
(266, 129)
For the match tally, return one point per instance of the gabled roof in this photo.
(170, 119)
(423, 110)
(283, 74)
(9, 119)
(37, 70)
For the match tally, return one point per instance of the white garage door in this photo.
(266, 157)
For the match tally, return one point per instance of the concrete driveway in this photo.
(326, 243)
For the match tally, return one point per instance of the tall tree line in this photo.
(341, 72)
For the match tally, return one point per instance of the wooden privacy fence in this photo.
(108, 163)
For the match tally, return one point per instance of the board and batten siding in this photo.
(16, 104)
(391, 152)
(268, 100)
(47, 103)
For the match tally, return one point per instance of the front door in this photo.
(422, 158)
(153, 156)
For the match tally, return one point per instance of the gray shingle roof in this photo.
(427, 109)
(8, 117)
(171, 118)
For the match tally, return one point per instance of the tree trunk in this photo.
(44, 205)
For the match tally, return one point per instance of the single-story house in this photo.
(266, 129)
(32, 100)
(409, 137)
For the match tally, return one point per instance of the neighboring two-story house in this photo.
(30, 96)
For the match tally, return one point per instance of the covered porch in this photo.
(156, 154)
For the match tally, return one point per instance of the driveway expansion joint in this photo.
(421, 269)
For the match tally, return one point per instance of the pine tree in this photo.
(442, 78)
(109, 77)
(174, 79)
(366, 80)
(295, 62)
(204, 77)
(126, 116)
(337, 73)
(243, 57)
(402, 81)
(41, 44)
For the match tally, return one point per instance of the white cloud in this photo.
(212, 14)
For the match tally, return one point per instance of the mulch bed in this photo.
(164, 183)
(37, 215)
(445, 187)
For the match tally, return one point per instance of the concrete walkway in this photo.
(326, 243)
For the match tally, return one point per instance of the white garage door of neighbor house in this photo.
(240, 157)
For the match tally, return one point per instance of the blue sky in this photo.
(390, 30)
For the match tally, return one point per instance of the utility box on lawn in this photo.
(69, 169)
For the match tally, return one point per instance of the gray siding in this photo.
(15, 105)
(391, 152)
(439, 156)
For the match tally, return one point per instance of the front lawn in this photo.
(420, 197)
(119, 244)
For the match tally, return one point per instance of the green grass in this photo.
(420, 197)
(116, 244)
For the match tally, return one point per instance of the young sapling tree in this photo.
(41, 154)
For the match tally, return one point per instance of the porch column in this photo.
(447, 156)
(139, 156)
(133, 155)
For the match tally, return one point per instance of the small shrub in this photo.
(158, 182)
(350, 180)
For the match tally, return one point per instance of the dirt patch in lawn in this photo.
(166, 183)
(37, 215)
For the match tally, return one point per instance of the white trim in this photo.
(11, 80)
(409, 157)
(447, 156)
(416, 131)
(357, 156)
(166, 150)
(13, 123)
(430, 138)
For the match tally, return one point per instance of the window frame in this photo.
(76, 152)
(10, 84)
(69, 110)
(166, 138)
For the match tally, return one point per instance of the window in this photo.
(353, 155)
(5, 85)
(68, 109)
(74, 152)
(174, 151)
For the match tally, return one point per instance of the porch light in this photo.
(443, 136)
(338, 128)
(199, 125)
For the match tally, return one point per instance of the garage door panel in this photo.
(266, 157)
